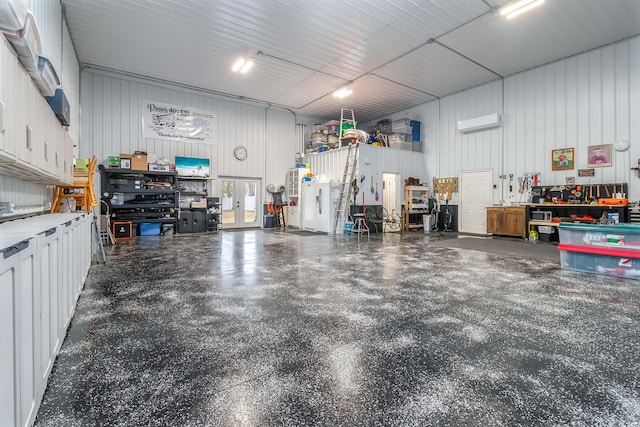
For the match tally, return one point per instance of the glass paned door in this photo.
(241, 200)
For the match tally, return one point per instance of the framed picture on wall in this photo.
(562, 159)
(599, 155)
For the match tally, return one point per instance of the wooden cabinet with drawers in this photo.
(507, 221)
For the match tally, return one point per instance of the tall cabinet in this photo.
(294, 193)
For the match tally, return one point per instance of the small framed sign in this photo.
(586, 172)
(571, 180)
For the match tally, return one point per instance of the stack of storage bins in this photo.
(402, 135)
(613, 250)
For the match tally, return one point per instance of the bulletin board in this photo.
(445, 185)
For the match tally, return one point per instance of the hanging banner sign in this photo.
(165, 121)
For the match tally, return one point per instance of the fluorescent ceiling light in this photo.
(519, 7)
(246, 67)
(342, 92)
(237, 65)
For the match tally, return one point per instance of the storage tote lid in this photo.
(13, 14)
(617, 228)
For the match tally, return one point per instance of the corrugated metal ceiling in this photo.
(398, 53)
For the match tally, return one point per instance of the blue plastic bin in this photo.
(150, 229)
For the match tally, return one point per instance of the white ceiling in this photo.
(397, 53)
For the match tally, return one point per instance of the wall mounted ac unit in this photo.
(479, 123)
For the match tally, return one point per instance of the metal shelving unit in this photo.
(140, 196)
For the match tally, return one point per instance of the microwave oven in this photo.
(541, 215)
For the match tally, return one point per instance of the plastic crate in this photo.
(45, 77)
(13, 14)
(625, 236)
(403, 137)
(26, 43)
(610, 262)
(404, 129)
(400, 123)
(400, 145)
(415, 130)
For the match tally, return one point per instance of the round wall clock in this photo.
(621, 145)
(240, 152)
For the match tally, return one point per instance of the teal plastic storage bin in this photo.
(623, 236)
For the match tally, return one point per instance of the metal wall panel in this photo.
(22, 193)
(588, 99)
(111, 124)
(48, 16)
(280, 128)
(581, 101)
(70, 78)
(372, 163)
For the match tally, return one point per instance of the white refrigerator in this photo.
(319, 201)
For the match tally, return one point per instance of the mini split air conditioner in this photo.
(479, 123)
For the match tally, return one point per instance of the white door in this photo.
(240, 201)
(391, 193)
(476, 193)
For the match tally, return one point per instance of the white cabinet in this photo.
(9, 254)
(27, 337)
(32, 145)
(294, 188)
(17, 281)
(11, 83)
(44, 261)
(65, 160)
(20, 102)
(295, 215)
(294, 180)
(44, 134)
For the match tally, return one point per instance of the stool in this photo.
(279, 211)
(359, 226)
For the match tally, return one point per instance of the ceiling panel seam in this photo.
(404, 85)
(277, 58)
(467, 58)
(430, 41)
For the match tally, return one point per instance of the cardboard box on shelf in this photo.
(125, 161)
(139, 161)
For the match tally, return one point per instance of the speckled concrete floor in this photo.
(262, 328)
